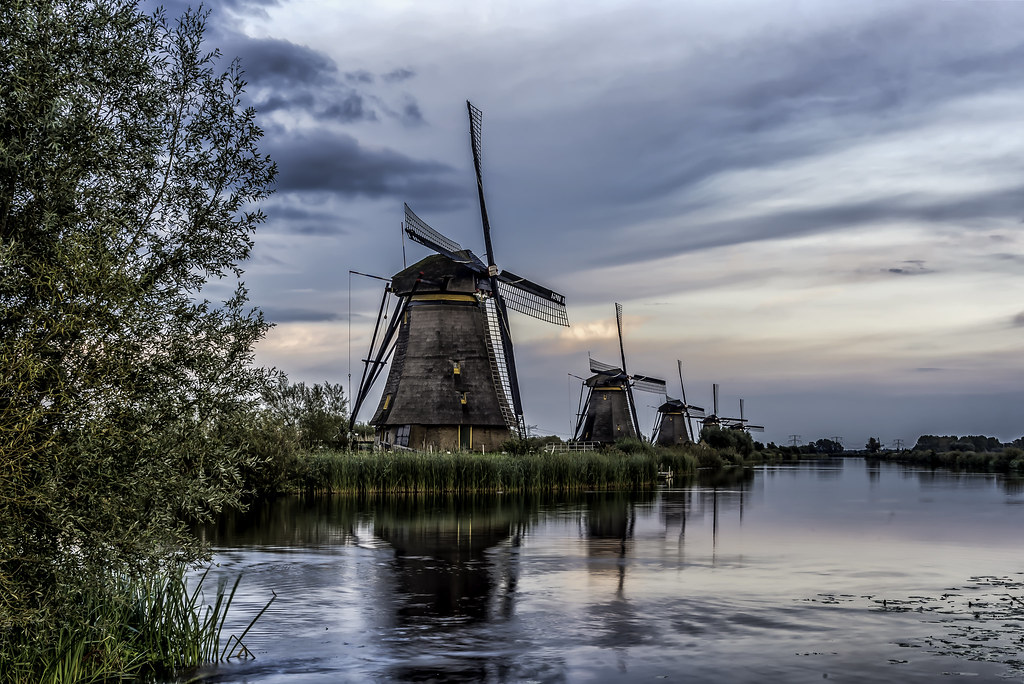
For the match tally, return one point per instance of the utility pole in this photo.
(794, 440)
(898, 444)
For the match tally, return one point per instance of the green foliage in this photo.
(978, 443)
(632, 445)
(318, 413)
(827, 446)
(1007, 460)
(873, 445)
(718, 437)
(269, 448)
(516, 447)
(132, 628)
(128, 177)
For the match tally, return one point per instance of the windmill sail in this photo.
(629, 388)
(499, 364)
(506, 361)
(418, 231)
(534, 300)
(646, 383)
(601, 367)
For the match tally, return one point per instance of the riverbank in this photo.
(629, 466)
(1009, 460)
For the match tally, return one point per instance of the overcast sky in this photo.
(816, 205)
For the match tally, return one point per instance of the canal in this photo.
(838, 569)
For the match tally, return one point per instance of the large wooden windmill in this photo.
(610, 412)
(675, 419)
(453, 381)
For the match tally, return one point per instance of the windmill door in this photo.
(465, 437)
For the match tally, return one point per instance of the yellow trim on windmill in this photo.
(443, 298)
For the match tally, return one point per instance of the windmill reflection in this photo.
(711, 495)
(455, 566)
(610, 525)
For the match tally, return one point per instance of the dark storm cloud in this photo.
(286, 76)
(1018, 320)
(351, 107)
(338, 163)
(281, 63)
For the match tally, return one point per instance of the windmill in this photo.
(741, 423)
(675, 422)
(713, 420)
(610, 412)
(452, 382)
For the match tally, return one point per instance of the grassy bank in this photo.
(131, 628)
(627, 467)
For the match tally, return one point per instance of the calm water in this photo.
(835, 570)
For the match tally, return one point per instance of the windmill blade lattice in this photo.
(646, 383)
(601, 367)
(418, 231)
(534, 300)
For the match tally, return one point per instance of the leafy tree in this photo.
(873, 445)
(724, 438)
(129, 173)
(828, 446)
(318, 413)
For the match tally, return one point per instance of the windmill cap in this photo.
(437, 273)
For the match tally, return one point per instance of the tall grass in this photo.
(128, 629)
(460, 472)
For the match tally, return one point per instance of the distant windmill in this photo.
(675, 422)
(610, 412)
(741, 423)
(713, 420)
(453, 381)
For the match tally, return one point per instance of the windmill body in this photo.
(440, 390)
(673, 423)
(608, 417)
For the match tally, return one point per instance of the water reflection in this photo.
(774, 569)
(455, 564)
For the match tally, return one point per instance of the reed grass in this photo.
(462, 472)
(129, 629)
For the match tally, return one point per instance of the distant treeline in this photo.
(971, 452)
(976, 443)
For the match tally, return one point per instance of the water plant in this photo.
(132, 627)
